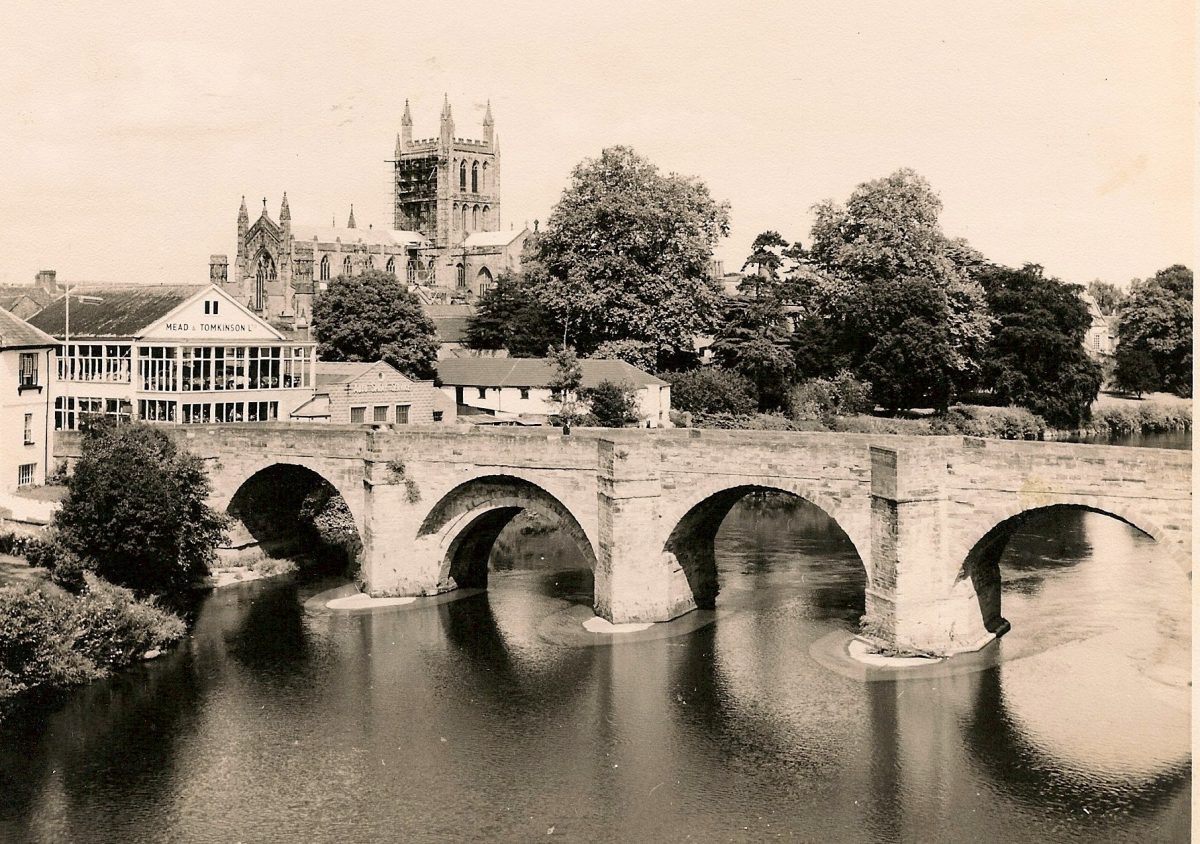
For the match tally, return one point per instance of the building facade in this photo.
(26, 363)
(350, 393)
(520, 387)
(173, 354)
(445, 240)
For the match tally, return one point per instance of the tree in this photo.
(613, 405)
(1108, 296)
(1136, 371)
(508, 316)
(634, 352)
(625, 256)
(766, 257)
(1036, 357)
(754, 342)
(711, 389)
(1157, 319)
(135, 510)
(887, 269)
(372, 317)
(564, 386)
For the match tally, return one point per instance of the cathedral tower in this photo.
(446, 187)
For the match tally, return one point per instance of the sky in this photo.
(1056, 133)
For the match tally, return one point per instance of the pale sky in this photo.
(1058, 133)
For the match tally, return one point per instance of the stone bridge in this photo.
(928, 516)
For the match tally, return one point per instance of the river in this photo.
(494, 717)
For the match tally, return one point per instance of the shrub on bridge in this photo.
(135, 512)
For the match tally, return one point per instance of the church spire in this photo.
(285, 213)
(243, 227)
(405, 136)
(447, 133)
(350, 223)
(489, 124)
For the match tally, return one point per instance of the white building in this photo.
(1099, 339)
(172, 354)
(26, 361)
(520, 387)
(351, 393)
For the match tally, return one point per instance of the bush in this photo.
(880, 425)
(1144, 418)
(52, 640)
(711, 390)
(821, 398)
(754, 422)
(116, 628)
(1003, 423)
(612, 405)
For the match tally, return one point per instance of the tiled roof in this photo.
(339, 372)
(451, 329)
(113, 310)
(16, 333)
(373, 237)
(500, 238)
(536, 372)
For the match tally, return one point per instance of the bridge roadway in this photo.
(928, 516)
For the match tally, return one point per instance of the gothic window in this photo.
(475, 219)
(483, 281)
(462, 176)
(464, 217)
(462, 277)
(487, 218)
(486, 184)
(391, 266)
(370, 263)
(475, 177)
(264, 275)
(412, 271)
(347, 267)
(324, 268)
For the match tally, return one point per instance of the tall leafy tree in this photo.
(886, 272)
(507, 316)
(754, 341)
(564, 385)
(1036, 356)
(1108, 296)
(371, 317)
(1157, 319)
(136, 510)
(625, 255)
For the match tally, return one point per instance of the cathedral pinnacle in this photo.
(350, 223)
(406, 120)
(487, 115)
(285, 213)
(243, 215)
(446, 107)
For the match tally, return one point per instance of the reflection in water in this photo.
(463, 721)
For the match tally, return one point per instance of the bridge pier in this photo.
(915, 601)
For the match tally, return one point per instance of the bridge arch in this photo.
(980, 569)
(464, 524)
(691, 542)
(270, 500)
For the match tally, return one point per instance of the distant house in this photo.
(520, 387)
(353, 393)
(26, 361)
(1099, 339)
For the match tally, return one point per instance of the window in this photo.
(156, 410)
(391, 266)
(358, 415)
(402, 414)
(29, 370)
(25, 474)
(210, 306)
(411, 272)
(28, 429)
(1096, 341)
(464, 218)
(324, 268)
(380, 413)
(346, 266)
(475, 177)
(437, 416)
(475, 219)
(524, 392)
(462, 277)
(462, 176)
(157, 372)
(483, 392)
(370, 263)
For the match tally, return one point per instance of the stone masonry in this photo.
(928, 516)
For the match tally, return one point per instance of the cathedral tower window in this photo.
(464, 218)
(475, 177)
(462, 176)
(475, 219)
(485, 182)
(347, 267)
(264, 275)
(324, 268)
(462, 277)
